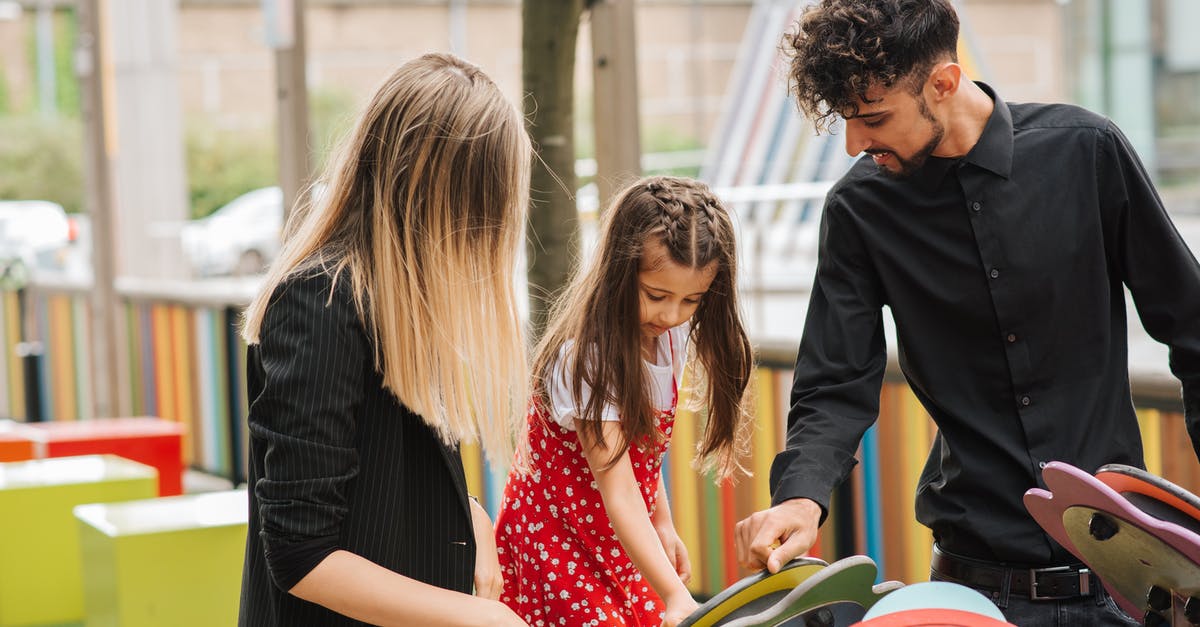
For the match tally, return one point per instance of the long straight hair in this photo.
(600, 311)
(424, 215)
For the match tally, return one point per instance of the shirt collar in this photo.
(993, 152)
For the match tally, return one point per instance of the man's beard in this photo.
(910, 165)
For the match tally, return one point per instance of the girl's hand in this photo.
(676, 551)
(489, 582)
(679, 607)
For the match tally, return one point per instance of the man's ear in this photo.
(945, 79)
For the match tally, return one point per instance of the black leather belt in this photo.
(1038, 584)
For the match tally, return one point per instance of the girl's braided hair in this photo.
(601, 312)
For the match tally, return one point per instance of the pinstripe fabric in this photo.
(336, 462)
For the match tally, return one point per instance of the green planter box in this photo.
(40, 568)
(168, 561)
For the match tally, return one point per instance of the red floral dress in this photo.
(561, 559)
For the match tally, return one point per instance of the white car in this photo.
(240, 238)
(34, 236)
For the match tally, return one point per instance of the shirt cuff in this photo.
(793, 480)
(291, 562)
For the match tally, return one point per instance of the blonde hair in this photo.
(424, 215)
(600, 312)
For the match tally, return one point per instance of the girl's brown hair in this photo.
(600, 311)
(424, 215)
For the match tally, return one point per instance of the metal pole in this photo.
(92, 65)
(47, 100)
(30, 354)
(615, 96)
(1129, 80)
(235, 412)
(458, 27)
(295, 162)
(698, 65)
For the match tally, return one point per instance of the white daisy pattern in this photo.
(568, 567)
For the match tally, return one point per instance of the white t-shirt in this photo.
(669, 358)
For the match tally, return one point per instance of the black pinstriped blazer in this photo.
(337, 462)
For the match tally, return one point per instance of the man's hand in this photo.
(771, 538)
(489, 581)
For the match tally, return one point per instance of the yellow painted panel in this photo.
(62, 369)
(763, 446)
(684, 486)
(181, 364)
(918, 540)
(164, 383)
(1150, 422)
(472, 468)
(16, 378)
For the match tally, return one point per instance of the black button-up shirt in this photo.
(1005, 271)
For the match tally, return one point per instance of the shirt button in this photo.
(1012, 337)
(1041, 464)
(994, 273)
(1025, 401)
(976, 206)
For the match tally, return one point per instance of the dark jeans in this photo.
(1094, 610)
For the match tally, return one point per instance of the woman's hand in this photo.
(489, 582)
(679, 607)
(497, 614)
(352, 585)
(675, 550)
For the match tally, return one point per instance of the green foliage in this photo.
(66, 85)
(660, 139)
(66, 35)
(331, 116)
(5, 104)
(224, 164)
(668, 139)
(42, 159)
(585, 136)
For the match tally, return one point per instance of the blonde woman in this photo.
(386, 334)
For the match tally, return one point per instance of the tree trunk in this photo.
(549, 32)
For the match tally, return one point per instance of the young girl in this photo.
(386, 333)
(585, 535)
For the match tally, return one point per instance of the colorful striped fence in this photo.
(873, 513)
(181, 359)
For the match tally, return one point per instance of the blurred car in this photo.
(240, 238)
(34, 236)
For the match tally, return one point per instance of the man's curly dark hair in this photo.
(842, 48)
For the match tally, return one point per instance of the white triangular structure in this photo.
(766, 160)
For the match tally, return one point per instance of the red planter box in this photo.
(151, 441)
(15, 445)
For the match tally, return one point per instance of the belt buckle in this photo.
(1085, 587)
